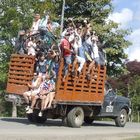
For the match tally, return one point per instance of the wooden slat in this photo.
(21, 69)
(16, 77)
(20, 73)
(18, 81)
(21, 60)
(21, 64)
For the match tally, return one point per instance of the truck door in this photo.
(109, 105)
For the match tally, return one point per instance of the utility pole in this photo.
(62, 17)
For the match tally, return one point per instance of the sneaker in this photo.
(30, 111)
(27, 108)
(88, 76)
(40, 114)
(73, 73)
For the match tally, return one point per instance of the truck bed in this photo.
(74, 90)
(80, 89)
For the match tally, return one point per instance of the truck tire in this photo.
(88, 120)
(31, 118)
(75, 117)
(40, 119)
(121, 120)
(34, 118)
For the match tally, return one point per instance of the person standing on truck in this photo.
(95, 58)
(66, 54)
(35, 25)
(41, 65)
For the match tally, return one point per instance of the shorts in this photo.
(32, 92)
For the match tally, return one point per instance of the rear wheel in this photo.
(75, 117)
(88, 120)
(34, 118)
(121, 120)
(31, 118)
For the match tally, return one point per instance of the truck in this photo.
(76, 101)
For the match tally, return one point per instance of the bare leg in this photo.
(26, 97)
(74, 66)
(52, 94)
(46, 101)
(90, 67)
(43, 102)
(34, 101)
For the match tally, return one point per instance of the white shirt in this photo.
(95, 50)
(34, 27)
(31, 48)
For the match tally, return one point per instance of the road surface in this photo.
(21, 129)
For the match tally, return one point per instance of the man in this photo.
(66, 54)
(34, 28)
(95, 57)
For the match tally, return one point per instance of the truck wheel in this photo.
(75, 117)
(40, 119)
(31, 118)
(88, 120)
(121, 120)
(34, 118)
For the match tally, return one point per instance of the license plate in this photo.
(109, 108)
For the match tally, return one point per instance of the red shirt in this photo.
(65, 43)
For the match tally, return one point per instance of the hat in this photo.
(22, 32)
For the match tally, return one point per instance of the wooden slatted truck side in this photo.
(77, 100)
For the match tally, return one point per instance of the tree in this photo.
(129, 84)
(109, 34)
(17, 14)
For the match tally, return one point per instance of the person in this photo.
(47, 93)
(19, 43)
(45, 87)
(66, 54)
(95, 58)
(41, 65)
(35, 25)
(79, 56)
(31, 46)
(34, 89)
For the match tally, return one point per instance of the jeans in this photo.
(67, 61)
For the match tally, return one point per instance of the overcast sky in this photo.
(127, 12)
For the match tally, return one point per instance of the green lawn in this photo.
(137, 138)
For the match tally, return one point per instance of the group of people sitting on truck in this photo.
(78, 45)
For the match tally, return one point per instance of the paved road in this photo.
(21, 129)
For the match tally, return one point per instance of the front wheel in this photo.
(121, 120)
(75, 117)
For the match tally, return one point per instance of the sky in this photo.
(127, 13)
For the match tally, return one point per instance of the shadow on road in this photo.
(52, 123)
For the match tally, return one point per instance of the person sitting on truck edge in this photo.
(47, 93)
(95, 58)
(34, 89)
(80, 56)
(66, 54)
(45, 87)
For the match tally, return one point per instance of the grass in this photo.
(137, 138)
